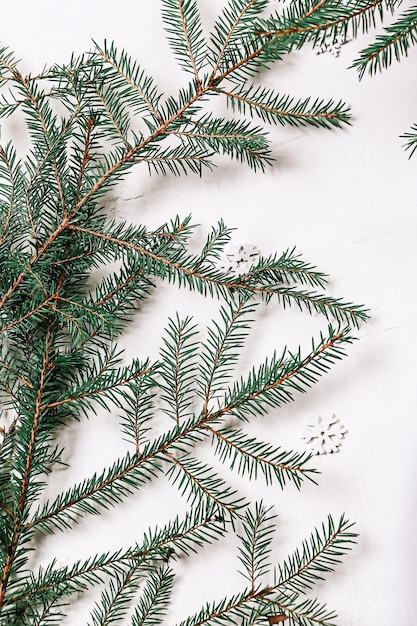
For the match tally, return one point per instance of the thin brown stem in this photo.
(279, 381)
(316, 27)
(278, 112)
(231, 285)
(21, 503)
(258, 458)
(198, 484)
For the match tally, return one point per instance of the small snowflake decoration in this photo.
(238, 259)
(323, 434)
(332, 45)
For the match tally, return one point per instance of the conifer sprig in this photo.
(59, 360)
(393, 44)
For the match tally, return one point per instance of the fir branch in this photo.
(274, 108)
(202, 484)
(176, 161)
(411, 137)
(237, 139)
(153, 604)
(255, 548)
(21, 505)
(251, 457)
(183, 24)
(178, 537)
(139, 89)
(394, 44)
(221, 350)
(118, 117)
(177, 369)
(307, 612)
(216, 241)
(11, 186)
(309, 19)
(107, 384)
(100, 491)
(236, 608)
(223, 285)
(117, 596)
(236, 17)
(139, 410)
(317, 556)
(56, 360)
(287, 268)
(275, 381)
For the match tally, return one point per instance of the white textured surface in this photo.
(347, 200)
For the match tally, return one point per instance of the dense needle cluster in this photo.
(58, 332)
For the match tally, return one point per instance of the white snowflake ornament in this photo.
(323, 434)
(238, 259)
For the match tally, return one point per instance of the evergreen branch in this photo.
(274, 108)
(139, 410)
(138, 88)
(220, 352)
(213, 282)
(104, 490)
(45, 120)
(178, 367)
(116, 597)
(201, 525)
(202, 484)
(273, 384)
(255, 547)
(8, 390)
(411, 137)
(8, 159)
(236, 608)
(21, 504)
(8, 63)
(309, 612)
(214, 246)
(114, 483)
(86, 153)
(126, 284)
(155, 598)
(235, 17)
(102, 387)
(317, 556)
(53, 146)
(178, 537)
(119, 120)
(176, 161)
(395, 43)
(183, 23)
(52, 584)
(15, 373)
(236, 138)
(307, 20)
(287, 268)
(56, 359)
(249, 457)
